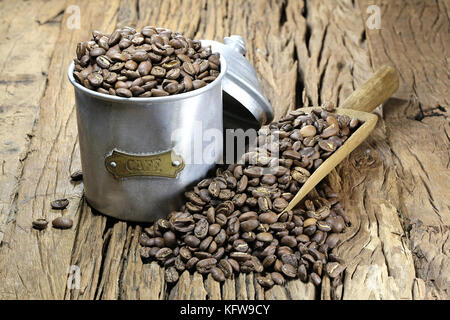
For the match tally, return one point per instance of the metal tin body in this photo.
(133, 128)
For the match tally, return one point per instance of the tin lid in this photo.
(244, 104)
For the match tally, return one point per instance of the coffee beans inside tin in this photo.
(153, 62)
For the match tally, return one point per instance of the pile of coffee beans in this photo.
(236, 221)
(154, 62)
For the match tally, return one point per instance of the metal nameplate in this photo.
(167, 164)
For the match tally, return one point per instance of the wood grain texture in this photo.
(305, 52)
(23, 76)
(414, 38)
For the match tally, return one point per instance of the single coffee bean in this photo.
(289, 270)
(62, 223)
(76, 175)
(204, 244)
(159, 93)
(40, 224)
(249, 225)
(289, 241)
(218, 274)
(278, 278)
(97, 52)
(279, 204)
(334, 269)
(264, 237)
(266, 281)
(317, 267)
(59, 204)
(123, 92)
(201, 229)
(170, 239)
(316, 280)
(164, 254)
(332, 240)
(192, 241)
(302, 273)
(171, 275)
(253, 172)
(269, 261)
(192, 263)
(268, 217)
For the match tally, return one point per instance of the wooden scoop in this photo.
(364, 100)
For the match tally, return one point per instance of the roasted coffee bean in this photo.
(265, 281)
(221, 219)
(278, 278)
(289, 270)
(164, 254)
(249, 225)
(334, 269)
(253, 172)
(40, 224)
(59, 204)
(202, 255)
(269, 261)
(62, 223)
(171, 275)
(214, 229)
(240, 256)
(323, 226)
(206, 263)
(264, 237)
(217, 274)
(268, 217)
(289, 241)
(144, 240)
(192, 241)
(233, 226)
(201, 229)
(332, 240)
(317, 267)
(76, 175)
(226, 267)
(123, 92)
(316, 280)
(170, 239)
(279, 204)
(159, 242)
(240, 245)
(337, 224)
(204, 244)
(185, 253)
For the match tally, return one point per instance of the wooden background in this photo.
(395, 186)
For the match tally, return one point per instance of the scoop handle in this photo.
(375, 91)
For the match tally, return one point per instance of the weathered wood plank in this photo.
(34, 264)
(414, 37)
(23, 72)
(87, 253)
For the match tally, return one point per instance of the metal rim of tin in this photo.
(175, 97)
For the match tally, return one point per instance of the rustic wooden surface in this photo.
(395, 186)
